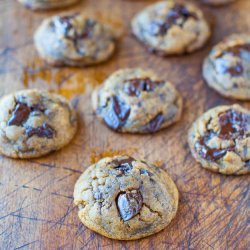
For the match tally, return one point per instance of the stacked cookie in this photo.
(122, 197)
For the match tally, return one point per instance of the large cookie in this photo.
(47, 4)
(137, 101)
(220, 140)
(169, 27)
(125, 199)
(227, 67)
(34, 123)
(74, 40)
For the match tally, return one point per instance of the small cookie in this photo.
(227, 67)
(125, 199)
(34, 123)
(220, 140)
(137, 101)
(217, 2)
(74, 40)
(169, 27)
(47, 4)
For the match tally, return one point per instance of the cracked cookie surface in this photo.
(227, 67)
(74, 40)
(137, 101)
(34, 123)
(217, 2)
(47, 4)
(170, 27)
(220, 140)
(125, 199)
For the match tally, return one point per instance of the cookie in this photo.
(217, 2)
(74, 40)
(227, 67)
(220, 140)
(34, 123)
(169, 27)
(47, 4)
(137, 101)
(125, 199)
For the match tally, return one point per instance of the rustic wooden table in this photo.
(36, 203)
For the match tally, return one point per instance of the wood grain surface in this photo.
(36, 202)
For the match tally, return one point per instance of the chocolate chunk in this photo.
(43, 131)
(209, 153)
(235, 70)
(64, 25)
(242, 51)
(176, 16)
(145, 172)
(20, 114)
(117, 113)
(118, 162)
(155, 124)
(124, 166)
(134, 87)
(247, 163)
(129, 204)
(233, 124)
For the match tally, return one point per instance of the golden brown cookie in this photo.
(137, 101)
(227, 67)
(126, 199)
(169, 27)
(220, 140)
(74, 40)
(34, 123)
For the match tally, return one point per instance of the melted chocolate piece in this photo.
(129, 204)
(177, 15)
(155, 124)
(209, 153)
(145, 172)
(124, 166)
(117, 113)
(20, 114)
(243, 52)
(43, 131)
(233, 124)
(134, 87)
(65, 26)
(237, 70)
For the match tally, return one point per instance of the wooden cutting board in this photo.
(36, 202)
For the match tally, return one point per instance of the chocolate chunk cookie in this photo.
(126, 199)
(74, 40)
(217, 2)
(137, 101)
(220, 140)
(34, 123)
(47, 4)
(227, 67)
(169, 27)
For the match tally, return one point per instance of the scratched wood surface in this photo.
(36, 203)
